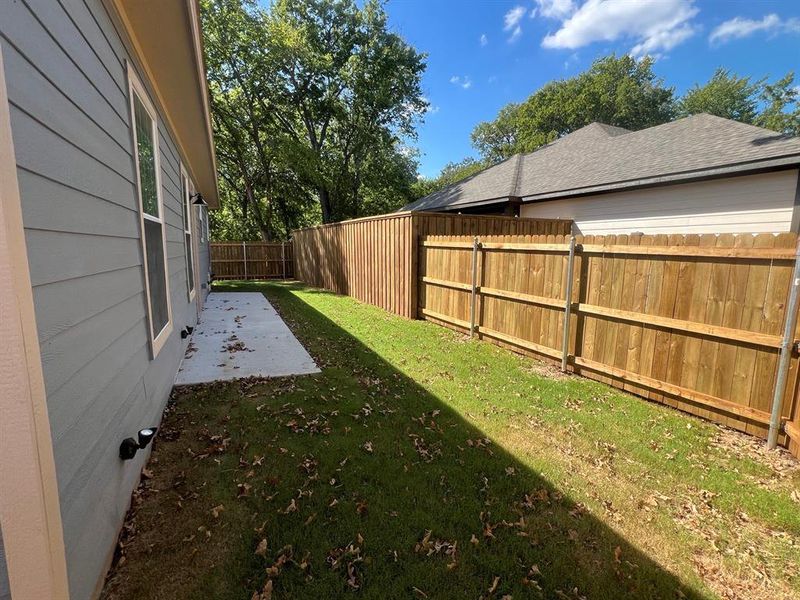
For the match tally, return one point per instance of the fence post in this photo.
(475, 245)
(568, 304)
(244, 258)
(283, 258)
(786, 355)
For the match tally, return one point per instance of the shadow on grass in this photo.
(359, 463)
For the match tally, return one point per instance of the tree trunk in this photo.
(325, 204)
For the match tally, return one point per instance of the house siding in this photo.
(66, 71)
(750, 203)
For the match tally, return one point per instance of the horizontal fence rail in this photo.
(691, 321)
(252, 260)
(375, 259)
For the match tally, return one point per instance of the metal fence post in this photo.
(474, 293)
(786, 355)
(568, 304)
(244, 258)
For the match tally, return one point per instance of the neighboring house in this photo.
(701, 174)
(105, 140)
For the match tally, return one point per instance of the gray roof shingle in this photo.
(601, 156)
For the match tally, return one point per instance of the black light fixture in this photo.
(129, 446)
(186, 332)
(189, 329)
(197, 199)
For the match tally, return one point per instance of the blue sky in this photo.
(484, 54)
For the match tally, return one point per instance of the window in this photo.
(151, 212)
(186, 194)
(203, 216)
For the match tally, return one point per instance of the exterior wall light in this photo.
(129, 446)
(197, 199)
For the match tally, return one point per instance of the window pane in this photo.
(185, 203)
(147, 158)
(155, 275)
(189, 262)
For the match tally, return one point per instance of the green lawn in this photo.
(421, 464)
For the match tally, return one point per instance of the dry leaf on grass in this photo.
(266, 592)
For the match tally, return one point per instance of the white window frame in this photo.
(189, 251)
(157, 339)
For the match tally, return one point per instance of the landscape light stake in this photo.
(568, 305)
(474, 293)
(785, 361)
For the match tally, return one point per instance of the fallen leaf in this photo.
(261, 550)
(493, 587)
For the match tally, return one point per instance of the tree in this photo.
(725, 95)
(258, 185)
(451, 173)
(312, 102)
(615, 90)
(340, 85)
(782, 106)
(498, 139)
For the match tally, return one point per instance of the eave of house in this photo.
(750, 168)
(166, 39)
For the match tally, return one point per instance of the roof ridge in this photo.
(515, 180)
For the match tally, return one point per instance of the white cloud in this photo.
(655, 25)
(464, 82)
(663, 40)
(739, 27)
(513, 17)
(484, 39)
(511, 22)
(554, 9)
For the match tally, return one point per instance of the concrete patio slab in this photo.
(241, 335)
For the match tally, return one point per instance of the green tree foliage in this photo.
(781, 106)
(311, 101)
(615, 90)
(770, 105)
(725, 95)
(625, 92)
(450, 173)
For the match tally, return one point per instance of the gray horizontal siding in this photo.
(66, 74)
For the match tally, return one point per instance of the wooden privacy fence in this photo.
(252, 260)
(374, 259)
(692, 321)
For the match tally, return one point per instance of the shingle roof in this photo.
(599, 156)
